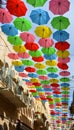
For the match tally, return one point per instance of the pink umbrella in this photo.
(27, 37)
(23, 74)
(64, 73)
(46, 42)
(5, 16)
(29, 83)
(23, 55)
(13, 56)
(64, 60)
(59, 6)
(46, 86)
(45, 77)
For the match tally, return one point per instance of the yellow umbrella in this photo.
(43, 31)
(63, 54)
(65, 88)
(53, 80)
(41, 93)
(17, 63)
(51, 62)
(19, 49)
(34, 80)
(39, 66)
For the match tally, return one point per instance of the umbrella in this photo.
(36, 3)
(48, 51)
(65, 88)
(52, 69)
(15, 40)
(64, 79)
(60, 22)
(65, 84)
(62, 45)
(31, 46)
(33, 80)
(63, 54)
(39, 65)
(61, 35)
(27, 37)
(45, 42)
(32, 75)
(37, 84)
(28, 62)
(54, 80)
(55, 85)
(23, 55)
(9, 29)
(59, 7)
(39, 16)
(38, 59)
(19, 68)
(22, 74)
(43, 31)
(41, 72)
(50, 57)
(36, 53)
(45, 82)
(22, 24)
(64, 73)
(62, 66)
(44, 77)
(51, 62)
(16, 7)
(19, 48)
(30, 69)
(64, 60)
(52, 75)
(17, 63)
(5, 16)
(13, 56)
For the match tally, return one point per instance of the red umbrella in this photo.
(64, 73)
(31, 46)
(37, 84)
(58, 121)
(33, 90)
(64, 60)
(56, 92)
(30, 69)
(62, 45)
(62, 66)
(13, 56)
(51, 106)
(27, 37)
(5, 16)
(23, 74)
(55, 85)
(43, 98)
(55, 89)
(23, 55)
(29, 83)
(44, 77)
(46, 42)
(38, 59)
(50, 99)
(46, 86)
(58, 104)
(52, 112)
(16, 7)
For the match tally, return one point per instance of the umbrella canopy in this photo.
(45, 82)
(43, 31)
(52, 69)
(23, 55)
(31, 46)
(5, 16)
(16, 7)
(28, 62)
(13, 56)
(62, 45)
(52, 75)
(62, 66)
(60, 22)
(55, 85)
(48, 51)
(36, 53)
(38, 59)
(64, 73)
(65, 84)
(17, 63)
(44, 77)
(50, 57)
(19, 68)
(64, 79)
(59, 7)
(37, 84)
(63, 54)
(9, 29)
(41, 72)
(39, 16)
(19, 49)
(36, 3)
(15, 40)
(64, 60)
(22, 24)
(34, 80)
(45, 42)
(30, 69)
(39, 65)
(51, 62)
(27, 37)
(22, 74)
(32, 75)
(54, 80)
(60, 35)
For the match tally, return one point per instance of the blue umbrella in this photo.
(52, 75)
(57, 95)
(50, 57)
(61, 35)
(65, 84)
(26, 80)
(32, 75)
(39, 16)
(19, 68)
(9, 29)
(47, 89)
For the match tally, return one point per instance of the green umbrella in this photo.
(65, 99)
(52, 69)
(48, 51)
(51, 102)
(37, 53)
(15, 40)
(41, 72)
(36, 3)
(35, 93)
(45, 82)
(27, 62)
(65, 92)
(60, 22)
(22, 24)
(64, 79)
